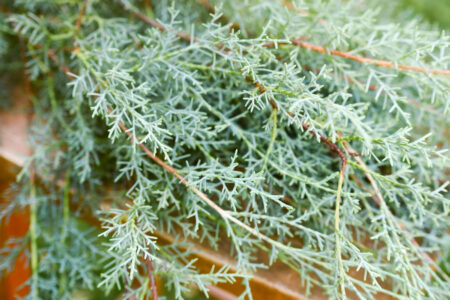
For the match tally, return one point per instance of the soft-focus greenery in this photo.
(435, 11)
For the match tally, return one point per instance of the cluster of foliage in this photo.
(259, 122)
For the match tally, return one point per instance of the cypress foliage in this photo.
(312, 131)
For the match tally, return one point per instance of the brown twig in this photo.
(79, 20)
(80, 15)
(151, 273)
(161, 27)
(364, 60)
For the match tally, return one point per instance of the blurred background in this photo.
(435, 11)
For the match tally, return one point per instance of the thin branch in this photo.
(151, 273)
(80, 15)
(379, 200)
(364, 60)
(63, 67)
(158, 25)
(361, 59)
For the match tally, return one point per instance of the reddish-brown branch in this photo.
(79, 20)
(161, 27)
(361, 59)
(364, 60)
(80, 15)
(152, 279)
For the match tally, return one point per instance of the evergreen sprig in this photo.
(311, 131)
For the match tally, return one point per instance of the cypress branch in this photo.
(263, 138)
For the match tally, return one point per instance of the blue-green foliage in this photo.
(197, 106)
